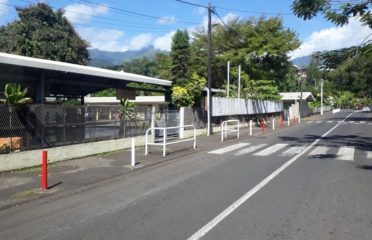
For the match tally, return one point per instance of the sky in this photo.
(122, 25)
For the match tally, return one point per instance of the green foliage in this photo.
(180, 55)
(189, 94)
(259, 45)
(14, 95)
(181, 97)
(110, 92)
(262, 90)
(338, 12)
(43, 33)
(126, 109)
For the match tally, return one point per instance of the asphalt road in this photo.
(293, 184)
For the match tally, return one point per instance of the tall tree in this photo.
(180, 53)
(259, 45)
(43, 33)
(338, 12)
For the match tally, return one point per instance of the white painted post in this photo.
(273, 122)
(133, 158)
(250, 127)
(289, 119)
(222, 128)
(299, 118)
(164, 140)
(182, 122)
(146, 141)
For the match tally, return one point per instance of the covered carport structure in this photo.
(46, 78)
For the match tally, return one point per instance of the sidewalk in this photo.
(71, 176)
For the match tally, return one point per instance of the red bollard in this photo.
(281, 121)
(44, 171)
(263, 125)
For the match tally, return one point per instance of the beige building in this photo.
(291, 102)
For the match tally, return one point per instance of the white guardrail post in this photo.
(224, 130)
(164, 143)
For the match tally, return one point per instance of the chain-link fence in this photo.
(42, 126)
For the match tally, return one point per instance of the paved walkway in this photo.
(70, 177)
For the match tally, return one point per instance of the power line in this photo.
(132, 13)
(252, 11)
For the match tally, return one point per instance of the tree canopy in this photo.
(338, 12)
(43, 33)
(180, 54)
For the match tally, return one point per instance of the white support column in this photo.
(182, 122)
(273, 122)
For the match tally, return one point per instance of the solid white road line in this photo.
(293, 151)
(319, 150)
(346, 153)
(210, 225)
(369, 155)
(250, 149)
(271, 150)
(229, 148)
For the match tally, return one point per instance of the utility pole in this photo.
(210, 9)
(209, 70)
(321, 97)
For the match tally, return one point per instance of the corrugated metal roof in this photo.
(37, 63)
(308, 96)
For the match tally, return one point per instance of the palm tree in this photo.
(126, 112)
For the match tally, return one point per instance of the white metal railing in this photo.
(225, 130)
(164, 143)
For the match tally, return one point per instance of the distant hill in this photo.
(302, 61)
(100, 58)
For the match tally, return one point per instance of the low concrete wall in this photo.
(14, 161)
(32, 158)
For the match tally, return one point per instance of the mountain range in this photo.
(100, 58)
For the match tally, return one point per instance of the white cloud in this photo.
(81, 13)
(3, 7)
(104, 39)
(164, 42)
(140, 41)
(167, 20)
(333, 38)
(199, 11)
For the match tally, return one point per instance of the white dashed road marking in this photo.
(346, 153)
(369, 154)
(293, 151)
(229, 148)
(319, 150)
(272, 149)
(250, 149)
